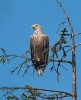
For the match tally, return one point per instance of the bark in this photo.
(74, 94)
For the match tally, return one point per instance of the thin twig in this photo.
(62, 22)
(57, 60)
(77, 34)
(77, 44)
(57, 97)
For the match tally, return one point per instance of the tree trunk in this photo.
(74, 93)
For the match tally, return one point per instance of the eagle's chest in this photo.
(38, 43)
(38, 39)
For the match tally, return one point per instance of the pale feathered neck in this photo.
(38, 31)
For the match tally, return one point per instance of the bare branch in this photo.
(15, 88)
(14, 56)
(62, 22)
(65, 61)
(56, 97)
(77, 44)
(77, 34)
(66, 17)
(71, 47)
(67, 46)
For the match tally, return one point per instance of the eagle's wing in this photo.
(46, 47)
(46, 42)
(31, 46)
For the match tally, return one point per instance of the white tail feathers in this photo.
(41, 70)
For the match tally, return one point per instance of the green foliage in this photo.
(12, 97)
(53, 94)
(46, 55)
(27, 52)
(64, 32)
(3, 57)
(29, 94)
(59, 45)
(28, 86)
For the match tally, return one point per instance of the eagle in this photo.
(39, 49)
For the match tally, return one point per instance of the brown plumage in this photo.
(39, 47)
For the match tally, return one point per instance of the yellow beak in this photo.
(33, 26)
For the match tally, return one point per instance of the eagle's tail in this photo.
(41, 70)
(40, 67)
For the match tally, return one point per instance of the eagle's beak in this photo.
(33, 26)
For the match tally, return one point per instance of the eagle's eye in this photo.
(36, 25)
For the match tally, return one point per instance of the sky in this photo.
(16, 18)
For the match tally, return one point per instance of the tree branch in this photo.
(57, 60)
(77, 44)
(77, 34)
(62, 22)
(15, 88)
(56, 97)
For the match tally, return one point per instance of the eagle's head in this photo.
(36, 27)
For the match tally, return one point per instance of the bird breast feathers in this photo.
(39, 37)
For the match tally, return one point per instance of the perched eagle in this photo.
(39, 48)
